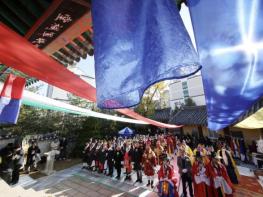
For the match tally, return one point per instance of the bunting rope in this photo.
(18, 53)
(38, 101)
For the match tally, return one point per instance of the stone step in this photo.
(19, 191)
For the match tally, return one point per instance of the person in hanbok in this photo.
(6, 163)
(221, 183)
(158, 152)
(229, 163)
(149, 163)
(101, 158)
(185, 170)
(50, 160)
(96, 156)
(110, 160)
(137, 159)
(167, 181)
(170, 146)
(118, 158)
(127, 162)
(201, 179)
(18, 159)
(63, 148)
(188, 150)
(86, 156)
(32, 157)
(163, 142)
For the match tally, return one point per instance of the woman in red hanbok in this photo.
(149, 163)
(127, 163)
(219, 178)
(170, 146)
(201, 180)
(166, 172)
(158, 152)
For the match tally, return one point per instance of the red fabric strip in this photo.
(13, 87)
(137, 116)
(18, 53)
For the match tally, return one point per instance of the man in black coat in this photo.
(17, 162)
(118, 158)
(92, 157)
(185, 171)
(101, 158)
(63, 148)
(6, 163)
(137, 159)
(32, 152)
(86, 156)
(110, 160)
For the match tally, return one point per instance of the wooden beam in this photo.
(82, 2)
(75, 30)
(47, 13)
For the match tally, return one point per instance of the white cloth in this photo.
(50, 161)
(224, 156)
(201, 177)
(219, 181)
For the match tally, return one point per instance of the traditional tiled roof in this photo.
(162, 115)
(258, 105)
(195, 115)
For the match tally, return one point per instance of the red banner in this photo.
(18, 53)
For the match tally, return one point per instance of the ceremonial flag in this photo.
(229, 38)
(138, 43)
(10, 99)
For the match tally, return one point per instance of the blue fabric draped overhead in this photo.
(138, 43)
(229, 38)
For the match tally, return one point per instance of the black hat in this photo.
(213, 154)
(198, 154)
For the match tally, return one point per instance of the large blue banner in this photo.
(138, 43)
(229, 38)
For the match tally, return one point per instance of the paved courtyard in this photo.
(77, 182)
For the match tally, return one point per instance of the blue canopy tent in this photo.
(126, 132)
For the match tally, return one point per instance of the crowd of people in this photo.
(14, 159)
(206, 168)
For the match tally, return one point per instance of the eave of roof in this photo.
(196, 115)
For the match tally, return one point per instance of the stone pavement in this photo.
(77, 182)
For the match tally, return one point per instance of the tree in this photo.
(80, 102)
(189, 102)
(149, 100)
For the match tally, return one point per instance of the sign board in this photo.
(62, 18)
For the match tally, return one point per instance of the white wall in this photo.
(57, 93)
(194, 87)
